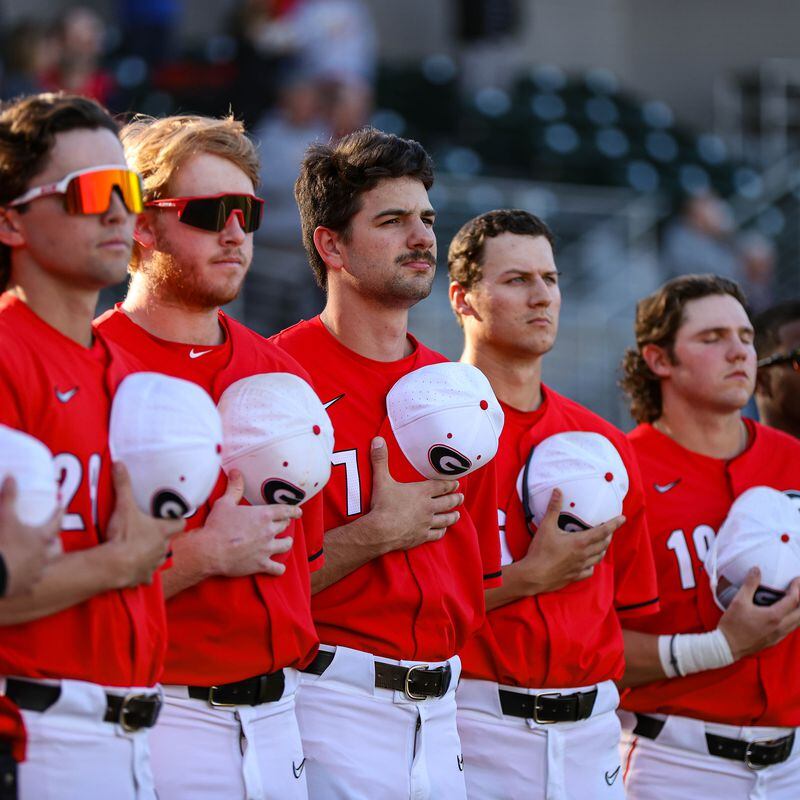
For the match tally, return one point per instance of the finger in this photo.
(553, 507)
(282, 545)
(585, 573)
(172, 527)
(439, 488)
(379, 456)
(234, 491)
(445, 520)
(280, 512)
(122, 485)
(270, 567)
(8, 494)
(434, 534)
(790, 623)
(276, 527)
(748, 589)
(447, 502)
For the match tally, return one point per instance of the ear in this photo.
(461, 301)
(11, 234)
(143, 232)
(658, 360)
(328, 244)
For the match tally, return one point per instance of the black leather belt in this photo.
(253, 691)
(548, 706)
(131, 711)
(416, 683)
(755, 755)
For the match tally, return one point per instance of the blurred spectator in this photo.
(81, 39)
(280, 269)
(757, 270)
(30, 53)
(778, 383)
(149, 29)
(701, 239)
(331, 41)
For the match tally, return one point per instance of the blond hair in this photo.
(156, 148)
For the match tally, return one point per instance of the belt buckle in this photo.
(536, 698)
(407, 685)
(748, 752)
(125, 708)
(216, 703)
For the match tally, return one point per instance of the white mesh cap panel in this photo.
(277, 432)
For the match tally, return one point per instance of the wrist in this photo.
(110, 564)
(196, 557)
(688, 653)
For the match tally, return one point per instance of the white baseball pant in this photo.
(228, 753)
(72, 753)
(510, 757)
(362, 742)
(677, 765)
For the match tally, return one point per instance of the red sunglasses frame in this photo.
(180, 203)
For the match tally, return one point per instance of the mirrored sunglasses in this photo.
(211, 213)
(88, 191)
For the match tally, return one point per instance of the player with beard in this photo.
(92, 630)
(715, 702)
(238, 590)
(537, 702)
(398, 595)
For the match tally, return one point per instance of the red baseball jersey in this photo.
(226, 629)
(421, 603)
(687, 498)
(570, 637)
(60, 392)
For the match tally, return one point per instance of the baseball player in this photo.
(537, 702)
(81, 653)
(402, 585)
(778, 381)
(238, 589)
(714, 704)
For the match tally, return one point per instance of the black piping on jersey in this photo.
(493, 575)
(315, 556)
(638, 605)
(526, 506)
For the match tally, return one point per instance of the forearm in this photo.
(68, 581)
(190, 564)
(516, 586)
(642, 660)
(346, 549)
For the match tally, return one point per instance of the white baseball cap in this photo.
(445, 419)
(31, 463)
(762, 530)
(168, 433)
(588, 470)
(278, 434)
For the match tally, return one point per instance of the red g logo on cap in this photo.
(447, 461)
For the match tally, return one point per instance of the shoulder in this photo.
(268, 351)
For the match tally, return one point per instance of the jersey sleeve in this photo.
(635, 582)
(313, 530)
(480, 500)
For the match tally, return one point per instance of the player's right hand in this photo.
(409, 514)
(750, 628)
(26, 549)
(242, 540)
(137, 543)
(556, 558)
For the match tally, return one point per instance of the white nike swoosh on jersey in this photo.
(661, 488)
(331, 402)
(65, 397)
(198, 353)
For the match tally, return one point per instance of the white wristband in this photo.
(686, 653)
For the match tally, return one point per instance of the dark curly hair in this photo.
(334, 176)
(658, 319)
(28, 129)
